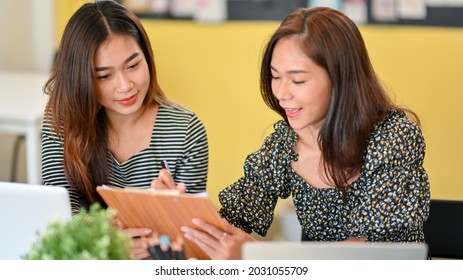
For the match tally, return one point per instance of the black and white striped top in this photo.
(178, 137)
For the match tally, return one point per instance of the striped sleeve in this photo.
(193, 170)
(53, 167)
(180, 138)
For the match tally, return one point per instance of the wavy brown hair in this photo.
(358, 99)
(72, 109)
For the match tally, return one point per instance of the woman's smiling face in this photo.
(302, 87)
(122, 75)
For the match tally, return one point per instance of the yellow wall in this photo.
(213, 69)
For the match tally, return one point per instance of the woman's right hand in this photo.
(165, 181)
(216, 243)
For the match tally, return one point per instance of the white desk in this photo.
(21, 110)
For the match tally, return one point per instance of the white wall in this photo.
(26, 44)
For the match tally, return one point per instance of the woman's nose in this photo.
(124, 83)
(281, 90)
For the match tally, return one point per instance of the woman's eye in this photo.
(103, 77)
(298, 82)
(134, 65)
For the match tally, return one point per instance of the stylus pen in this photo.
(164, 165)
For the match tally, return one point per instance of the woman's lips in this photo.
(129, 100)
(291, 113)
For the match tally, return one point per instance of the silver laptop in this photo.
(26, 209)
(285, 250)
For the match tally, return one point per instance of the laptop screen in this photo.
(26, 209)
(284, 250)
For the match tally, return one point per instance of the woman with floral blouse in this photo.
(350, 158)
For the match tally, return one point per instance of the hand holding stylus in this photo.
(165, 180)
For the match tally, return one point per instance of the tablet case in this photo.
(162, 211)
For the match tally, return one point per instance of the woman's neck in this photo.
(127, 136)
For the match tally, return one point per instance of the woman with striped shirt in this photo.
(107, 120)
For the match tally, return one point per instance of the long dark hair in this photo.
(358, 99)
(73, 110)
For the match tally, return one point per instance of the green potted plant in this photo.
(89, 235)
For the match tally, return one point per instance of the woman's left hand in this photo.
(216, 243)
(139, 250)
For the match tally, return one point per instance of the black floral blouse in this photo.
(388, 202)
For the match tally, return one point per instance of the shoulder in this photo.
(174, 111)
(176, 115)
(177, 121)
(396, 139)
(396, 128)
(282, 135)
(48, 133)
(279, 143)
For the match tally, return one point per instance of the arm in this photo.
(249, 203)
(397, 186)
(193, 168)
(188, 172)
(53, 167)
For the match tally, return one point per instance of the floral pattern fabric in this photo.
(388, 202)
